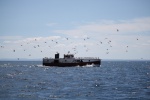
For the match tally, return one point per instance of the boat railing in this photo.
(86, 57)
(48, 58)
(76, 58)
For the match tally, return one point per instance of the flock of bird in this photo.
(75, 47)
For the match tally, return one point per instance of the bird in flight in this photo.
(67, 38)
(2, 46)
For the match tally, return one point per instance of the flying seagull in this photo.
(67, 38)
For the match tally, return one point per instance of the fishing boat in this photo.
(70, 61)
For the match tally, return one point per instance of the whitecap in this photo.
(25, 65)
(45, 69)
(85, 66)
(90, 65)
(39, 66)
(5, 64)
(9, 75)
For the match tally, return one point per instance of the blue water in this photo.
(113, 80)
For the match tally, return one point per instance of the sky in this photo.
(108, 29)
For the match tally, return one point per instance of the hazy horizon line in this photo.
(39, 59)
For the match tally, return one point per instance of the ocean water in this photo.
(113, 80)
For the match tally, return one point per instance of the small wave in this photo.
(85, 66)
(40, 66)
(92, 65)
(9, 75)
(6, 65)
(24, 65)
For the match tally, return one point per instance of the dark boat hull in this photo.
(97, 63)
